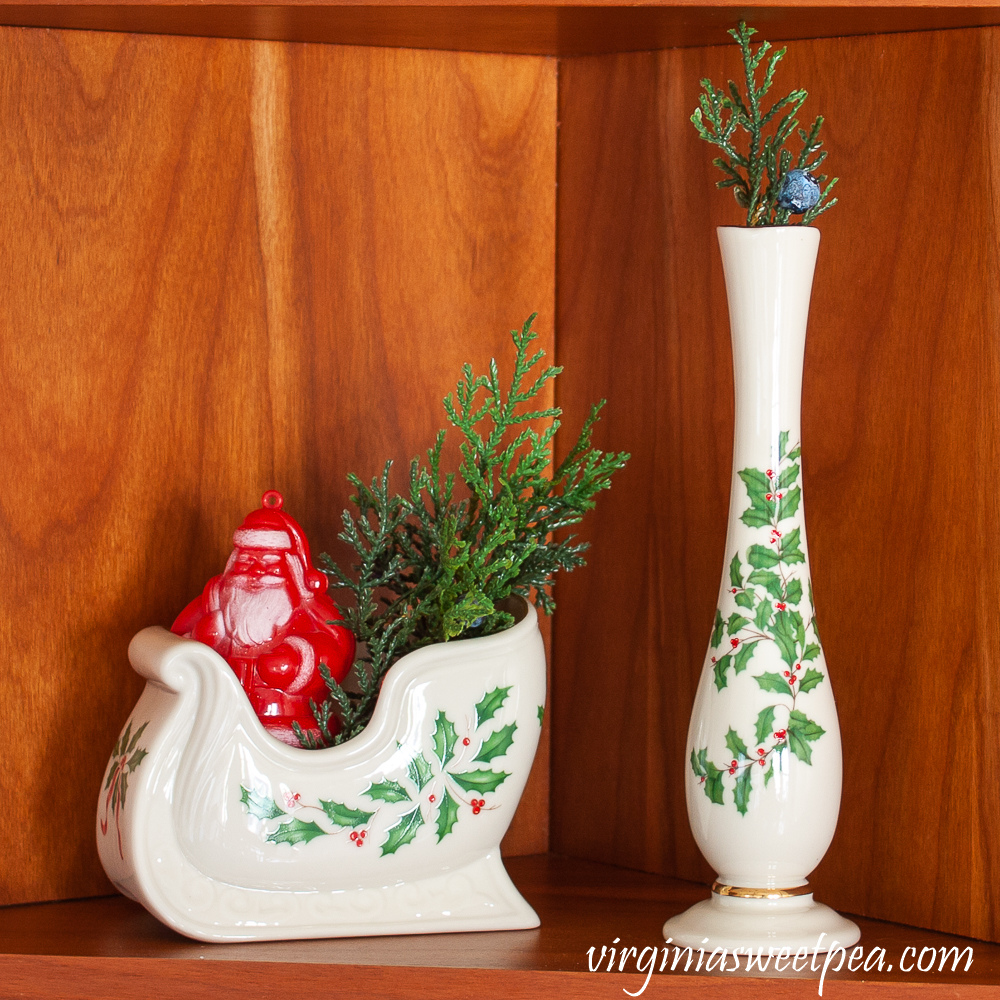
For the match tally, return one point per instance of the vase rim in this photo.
(767, 229)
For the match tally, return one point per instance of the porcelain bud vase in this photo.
(763, 767)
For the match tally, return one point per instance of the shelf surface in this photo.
(557, 27)
(89, 946)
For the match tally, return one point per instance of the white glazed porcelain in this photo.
(763, 777)
(225, 834)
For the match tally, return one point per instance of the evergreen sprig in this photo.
(756, 175)
(437, 562)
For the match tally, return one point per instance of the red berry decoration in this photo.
(360, 842)
(466, 741)
(798, 666)
(780, 606)
(734, 643)
(779, 496)
(732, 770)
(792, 679)
(733, 764)
(354, 834)
(734, 590)
(770, 474)
(767, 496)
(761, 751)
(786, 673)
(762, 762)
(364, 833)
(431, 798)
(475, 810)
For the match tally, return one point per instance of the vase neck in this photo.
(769, 275)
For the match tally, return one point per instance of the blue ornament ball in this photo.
(799, 191)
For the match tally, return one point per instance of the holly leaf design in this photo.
(721, 666)
(801, 732)
(765, 723)
(119, 747)
(296, 831)
(479, 781)
(769, 773)
(790, 550)
(260, 805)
(773, 682)
(744, 599)
(698, 762)
(736, 622)
(809, 680)
(713, 782)
(491, 704)
(763, 618)
(447, 816)
(761, 510)
(497, 744)
(741, 793)
(342, 815)
(735, 574)
(445, 737)
(135, 760)
(793, 592)
(742, 658)
(771, 581)
(135, 739)
(387, 791)
(757, 517)
(735, 745)
(795, 453)
(785, 634)
(420, 771)
(812, 651)
(800, 629)
(719, 626)
(541, 714)
(782, 443)
(789, 503)
(403, 832)
(788, 477)
(761, 558)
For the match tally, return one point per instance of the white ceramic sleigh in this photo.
(226, 834)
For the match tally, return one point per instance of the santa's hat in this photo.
(270, 528)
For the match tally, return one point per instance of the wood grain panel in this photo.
(899, 417)
(556, 28)
(229, 266)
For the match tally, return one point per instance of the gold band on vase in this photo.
(742, 892)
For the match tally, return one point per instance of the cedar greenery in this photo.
(437, 562)
(720, 114)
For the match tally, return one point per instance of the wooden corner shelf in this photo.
(112, 947)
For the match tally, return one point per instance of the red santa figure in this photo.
(269, 617)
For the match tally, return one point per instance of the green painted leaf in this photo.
(135, 737)
(758, 517)
(789, 503)
(721, 666)
(420, 771)
(741, 793)
(788, 477)
(736, 622)
(490, 705)
(771, 581)
(758, 486)
(769, 773)
(340, 814)
(761, 558)
(799, 626)
(773, 682)
(295, 831)
(782, 443)
(717, 631)
(445, 737)
(812, 651)
(497, 744)
(801, 732)
(809, 680)
(735, 575)
(135, 760)
(260, 805)
(697, 763)
(479, 781)
(122, 741)
(447, 816)
(744, 599)
(387, 791)
(403, 832)
(742, 657)
(793, 592)
(541, 714)
(763, 618)
(785, 634)
(795, 453)
(713, 782)
(735, 745)
(121, 787)
(765, 724)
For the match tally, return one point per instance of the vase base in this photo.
(794, 923)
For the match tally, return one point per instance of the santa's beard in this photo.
(255, 609)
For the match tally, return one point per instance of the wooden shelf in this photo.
(111, 946)
(554, 28)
